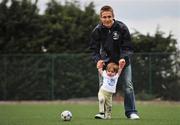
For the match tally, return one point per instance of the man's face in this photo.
(106, 18)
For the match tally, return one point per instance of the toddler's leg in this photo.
(101, 114)
(101, 102)
(108, 106)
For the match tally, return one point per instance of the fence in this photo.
(63, 76)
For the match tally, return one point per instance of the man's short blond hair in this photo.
(106, 8)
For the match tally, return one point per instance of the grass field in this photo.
(47, 113)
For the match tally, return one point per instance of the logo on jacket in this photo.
(115, 35)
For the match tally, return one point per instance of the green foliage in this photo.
(75, 76)
(158, 71)
(62, 28)
(25, 77)
(66, 29)
(156, 43)
(45, 77)
(64, 76)
(158, 65)
(19, 20)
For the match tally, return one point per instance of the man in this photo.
(111, 42)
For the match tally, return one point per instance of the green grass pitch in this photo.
(83, 114)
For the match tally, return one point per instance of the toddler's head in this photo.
(112, 69)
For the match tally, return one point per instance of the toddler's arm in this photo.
(100, 64)
(122, 63)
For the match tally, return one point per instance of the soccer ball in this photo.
(66, 115)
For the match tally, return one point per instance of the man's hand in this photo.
(100, 64)
(122, 63)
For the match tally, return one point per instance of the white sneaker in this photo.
(134, 116)
(99, 116)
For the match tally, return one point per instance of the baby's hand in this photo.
(100, 64)
(122, 63)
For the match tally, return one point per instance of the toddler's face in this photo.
(111, 73)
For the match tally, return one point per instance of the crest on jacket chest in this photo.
(115, 35)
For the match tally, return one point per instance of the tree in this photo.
(158, 62)
(61, 29)
(156, 43)
(18, 22)
(68, 27)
